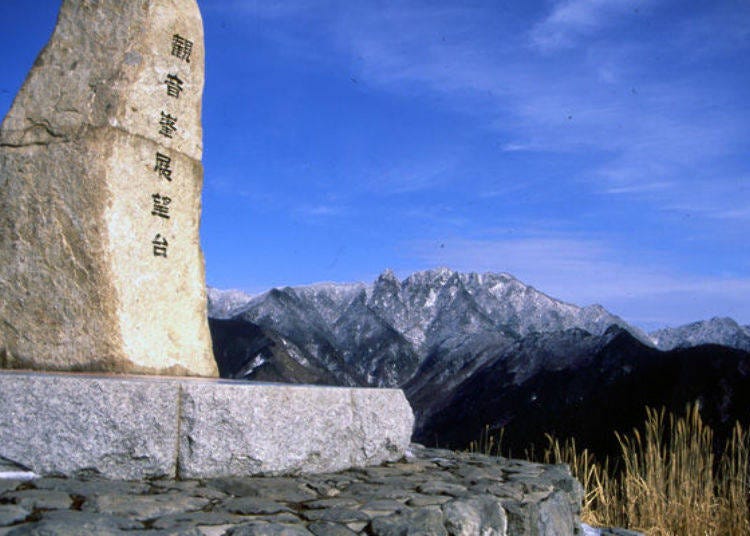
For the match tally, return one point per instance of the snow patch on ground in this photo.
(257, 361)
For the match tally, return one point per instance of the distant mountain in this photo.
(475, 349)
(225, 303)
(586, 386)
(244, 350)
(723, 331)
(379, 334)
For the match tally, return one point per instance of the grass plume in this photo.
(667, 480)
(488, 444)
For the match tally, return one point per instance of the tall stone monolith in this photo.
(100, 196)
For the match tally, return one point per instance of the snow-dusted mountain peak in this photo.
(718, 330)
(330, 287)
(494, 301)
(426, 307)
(388, 276)
(226, 303)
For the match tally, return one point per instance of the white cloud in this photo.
(639, 188)
(655, 136)
(573, 19)
(651, 132)
(321, 210)
(658, 136)
(735, 214)
(718, 198)
(517, 147)
(412, 176)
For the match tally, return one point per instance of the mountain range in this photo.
(723, 331)
(471, 350)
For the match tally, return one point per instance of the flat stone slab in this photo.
(66, 424)
(351, 502)
(136, 427)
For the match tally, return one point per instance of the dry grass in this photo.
(594, 476)
(488, 444)
(668, 481)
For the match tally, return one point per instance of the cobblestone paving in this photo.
(431, 492)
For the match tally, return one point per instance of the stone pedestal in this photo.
(133, 427)
(101, 271)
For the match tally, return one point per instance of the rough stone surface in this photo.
(60, 424)
(132, 427)
(420, 522)
(73, 523)
(144, 507)
(288, 428)
(328, 504)
(205, 519)
(82, 285)
(42, 500)
(262, 528)
(254, 506)
(94, 487)
(476, 515)
(10, 514)
(329, 529)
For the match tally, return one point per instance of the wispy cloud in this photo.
(650, 132)
(435, 216)
(317, 211)
(638, 188)
(412, 176)
(734, 214)
(550, 262)
(571, 20)
(518, 147)
(640, 132)
(647, 121)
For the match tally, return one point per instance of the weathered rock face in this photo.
(100, 183)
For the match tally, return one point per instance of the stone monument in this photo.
(101, 272)
(100, 196)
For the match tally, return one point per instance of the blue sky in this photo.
(596, 149)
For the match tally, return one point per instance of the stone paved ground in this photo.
(431, 492)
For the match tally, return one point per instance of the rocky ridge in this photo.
(723, 331)
(578, 385)
(529, 317)
(384, 334)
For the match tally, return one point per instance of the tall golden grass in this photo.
(667, 480)
(488, 444)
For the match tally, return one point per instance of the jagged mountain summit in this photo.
(412, 305)
(382, 333)
(723, 331)
(224, 304)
